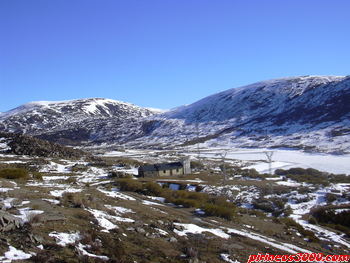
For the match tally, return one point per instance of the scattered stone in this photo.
(179, 227)
(152, 235)
(21, 144)
(9, 222)
(140, 230)
(169, 225)
(172, 240)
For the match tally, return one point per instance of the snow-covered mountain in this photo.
(309, 112)
(71, 121)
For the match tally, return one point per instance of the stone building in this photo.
(165, 169)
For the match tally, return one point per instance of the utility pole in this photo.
(198, 151)
(269, 160)
(223, 156)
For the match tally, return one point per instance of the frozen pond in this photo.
(337, 164)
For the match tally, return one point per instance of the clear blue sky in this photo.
(164, 53)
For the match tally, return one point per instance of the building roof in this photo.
(161, 166)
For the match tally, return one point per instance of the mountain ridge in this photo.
(289, 108)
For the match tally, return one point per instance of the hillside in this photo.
(309, 113)
(71, 122)
(20, 144)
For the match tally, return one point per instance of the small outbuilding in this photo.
(165, 169)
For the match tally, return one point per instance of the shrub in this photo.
(220, 211)
(312, 220)
(130, 185)
(330, 217)
(279, 203)
(168, 195)
(153, 188)
(221, 201)
(288, 211)
(199, 188)
(74, 199)
(37, 175)
(308, 234)
(341, 228)
(202, 198)
(339, 178)
(15, 173)
(309, 175)
(310, 179)
(330, 198)
(71, 180)
(257, 213)
(188, 203)
(266, 206)
(289, 222)
(180, 194)
(252, 173)
(182, 186)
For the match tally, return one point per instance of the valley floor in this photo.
(73, 212)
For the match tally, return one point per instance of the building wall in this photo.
(187, 165)
(150, 174)
(171, 172)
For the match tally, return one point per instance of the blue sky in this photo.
(164, 53)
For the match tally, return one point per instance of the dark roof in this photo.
(161, 166)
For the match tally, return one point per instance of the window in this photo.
(177, 170)
(164, 171)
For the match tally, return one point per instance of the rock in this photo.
(179, 227)
(172, 240)
(140, 230)
(25, 145)
(169, 225)
(152, 235)
(9, 222)
(160, 222)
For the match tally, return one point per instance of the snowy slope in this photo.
(309, 112)
(266, 98)
(72, 120)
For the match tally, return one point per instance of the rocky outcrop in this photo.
(25, 145)
(9, 222)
